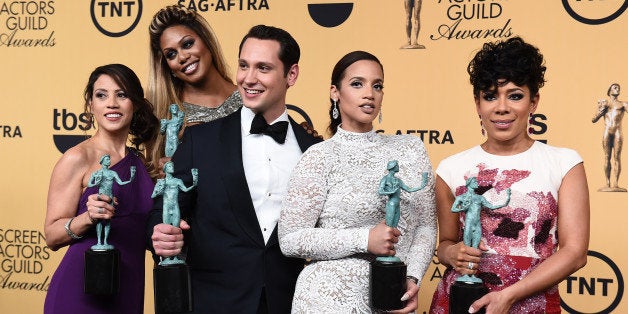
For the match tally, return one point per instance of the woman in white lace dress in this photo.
(333, 214)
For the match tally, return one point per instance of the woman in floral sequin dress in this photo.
(519, 257)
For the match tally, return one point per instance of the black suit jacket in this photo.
(230, 263)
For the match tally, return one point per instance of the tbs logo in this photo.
(68, 121)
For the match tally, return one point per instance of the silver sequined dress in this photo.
(198, 114)
(333, 202)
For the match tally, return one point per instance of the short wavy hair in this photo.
(289, 50)
(512, 60)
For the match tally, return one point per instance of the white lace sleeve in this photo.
(307, 194)
(425, 232)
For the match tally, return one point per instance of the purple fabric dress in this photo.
(65, 294)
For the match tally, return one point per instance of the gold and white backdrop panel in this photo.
(48, 49)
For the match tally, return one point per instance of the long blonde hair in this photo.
(163, 89)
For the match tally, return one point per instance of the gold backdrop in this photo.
(48, 49)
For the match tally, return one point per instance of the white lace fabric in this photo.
(333, 202)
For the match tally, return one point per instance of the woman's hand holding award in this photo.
(388, 281)
(469, 288)
(102, 274)
(171, 277)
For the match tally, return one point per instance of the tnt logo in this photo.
(116, 18)
(595, 12)
(64, 120)
(596, 288)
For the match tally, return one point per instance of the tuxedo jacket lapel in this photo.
(234, 178)
(304, 139)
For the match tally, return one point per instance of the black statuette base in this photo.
(173, 289)
(102, 274)
(462, 295)
(388, 284)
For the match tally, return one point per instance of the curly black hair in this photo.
(512, 60)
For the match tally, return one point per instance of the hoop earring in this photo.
(380, 116)
(530, 125)
(334, 111)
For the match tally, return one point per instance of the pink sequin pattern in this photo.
(520, 236)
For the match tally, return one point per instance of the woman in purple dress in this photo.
(115, 100)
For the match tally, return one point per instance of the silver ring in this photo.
(470, 266)
(100, 210)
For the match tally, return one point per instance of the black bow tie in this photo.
(276, 130)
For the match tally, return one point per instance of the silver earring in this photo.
(380, 116)
(334, 112)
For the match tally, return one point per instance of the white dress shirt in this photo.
(267, 167)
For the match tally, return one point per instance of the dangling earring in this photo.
(334, 111)
(482, 126)
(90, 121)
(530, 125)
(380, 116)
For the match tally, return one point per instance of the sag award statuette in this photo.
(173, 290)
(388, 273)
(171, 277)
(171, 128)
(469, 288)
(102, 259)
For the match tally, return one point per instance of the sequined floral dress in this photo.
(198, 114)
(520, 235)
(333, 202)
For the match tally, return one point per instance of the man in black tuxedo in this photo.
(229, 223)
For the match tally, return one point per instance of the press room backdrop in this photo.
(48, 49)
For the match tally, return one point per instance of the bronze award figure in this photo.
(413, 24)
(613, 112)
(173, 290)
(388, 273)
(469, 288)
(102, 259)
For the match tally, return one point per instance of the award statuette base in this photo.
(102, 276)
(173, 288)
(388, 283)
(463, 294)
